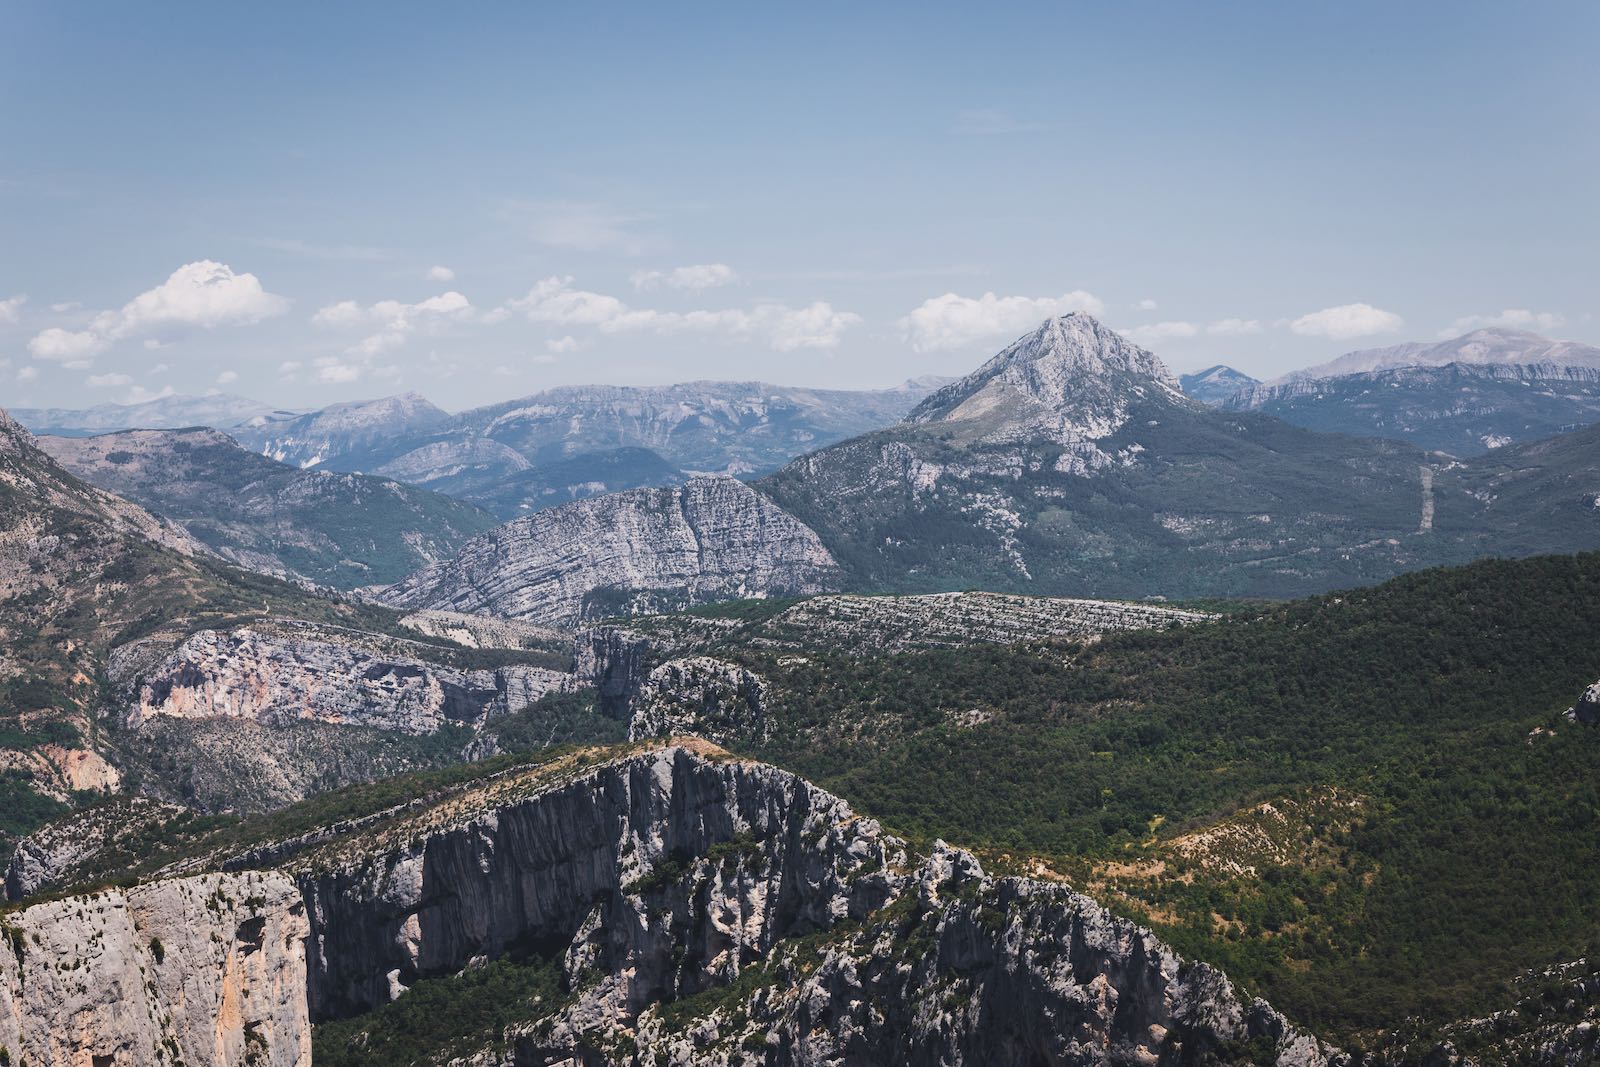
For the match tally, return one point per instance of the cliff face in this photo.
(277, 678)
(202, 970)
(646, 549)
(670, 873)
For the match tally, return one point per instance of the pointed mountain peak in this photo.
(1071, 366)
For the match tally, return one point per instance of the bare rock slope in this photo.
(711, 539)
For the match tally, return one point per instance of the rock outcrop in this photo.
(616, 662)
(48, 856)
(207, 970)
(642, 550)
(281, 677)
(710, 698)
(673, 872)
(1587, 709)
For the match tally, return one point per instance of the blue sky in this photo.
(309, 203)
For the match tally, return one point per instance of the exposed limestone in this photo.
(1587, 709)
(710, 698)
(641, 550)
(949, 619)
(279, 677)
(481, 631)
(47, 856)
(671, 873)
(202, 970)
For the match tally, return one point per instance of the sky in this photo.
(314, 203)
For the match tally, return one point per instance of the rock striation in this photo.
(673, 872)
(700, 908)
(279, 677)
(646, 549)
(207, 970)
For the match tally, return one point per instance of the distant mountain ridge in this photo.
(220, 410)
(1070, 464)
(332, 528)
(1489, 345)
(1464, 396)
(1215, 384)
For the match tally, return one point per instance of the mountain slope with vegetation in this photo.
(1367, 806)
(339, 530)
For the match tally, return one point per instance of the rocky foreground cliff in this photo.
(700, 910)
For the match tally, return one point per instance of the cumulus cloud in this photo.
(227, 377)
(203, 294)
(568, 343)
(784, 328)
(1512, 318)
(1346, 321)
(952, 321)
(394, 321)
(696, 278)
(27, 374)
(1145, 305)
(101, 381)
(11, 308)
(441, 274)
(67, 347)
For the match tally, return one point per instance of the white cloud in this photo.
(1512, 318)
(395, 321)
(289, 366)
(27, 374)
(63, 308)
(1145, 305)
(1234, 327)
(11, 308)
(1161, 331)
(227, 377)
(952, 321)
(203, 294)
(695, 278)
(816, 326)
(335, 372)
(159, 368)
(441, 274)
(568, 343)
(56, 345)
(1346, 321)
(100, 381)
(785, 329)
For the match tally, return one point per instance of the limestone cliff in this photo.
(203, 970)
(646, 549)
(277, 677)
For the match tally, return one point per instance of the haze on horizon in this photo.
(306, 205)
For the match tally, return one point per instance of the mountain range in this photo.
(339, 530)
(1069, 464)
(1464, 396)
